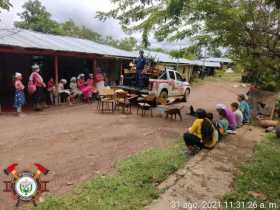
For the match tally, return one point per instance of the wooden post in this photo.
(122, 71)
(56, 77)
(56, 70)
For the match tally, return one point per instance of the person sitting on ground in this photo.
(238, 114)
(229, 115)
(19, 94)
(245, 108)
(51, 89)
(201, 134)
(63, 94)
(222, 123)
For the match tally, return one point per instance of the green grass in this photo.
(259, 180)
(219, 76)
(133, 187)
(222, 75)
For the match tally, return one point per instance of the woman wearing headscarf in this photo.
(63, 93)
(91, 85)
(19, 93)
(36, 88)
(74, 87)
(84, 88)
(99, 79)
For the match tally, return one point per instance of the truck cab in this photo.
(170, 84)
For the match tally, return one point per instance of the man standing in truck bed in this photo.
(140, 64)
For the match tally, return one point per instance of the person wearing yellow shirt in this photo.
(202, 133)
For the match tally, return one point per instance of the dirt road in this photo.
(76, 143)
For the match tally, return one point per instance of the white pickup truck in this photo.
(170, 84)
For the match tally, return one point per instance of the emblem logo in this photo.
(26, 186)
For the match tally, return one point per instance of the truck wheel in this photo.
(163, 94)
(187, 94)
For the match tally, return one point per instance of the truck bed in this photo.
(132, 89)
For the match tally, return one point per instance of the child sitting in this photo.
(238, 114)
(222, 123)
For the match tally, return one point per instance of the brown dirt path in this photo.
(204, 180)
(77, 143)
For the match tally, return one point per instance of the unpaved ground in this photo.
(76, 143)
(202, 183)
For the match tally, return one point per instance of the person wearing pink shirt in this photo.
(83, 86)
(19, 93)
(91, 85)
(38, 86)
(99, 79)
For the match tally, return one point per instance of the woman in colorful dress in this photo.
(99, 79)
(75, 91)
(37, 82)
(84, 88)
(91, 85)
(19, 94)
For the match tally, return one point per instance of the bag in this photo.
(31, 87)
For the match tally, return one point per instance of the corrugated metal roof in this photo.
(219, 60)
(206, 63)
(162, 57)
(30, 39)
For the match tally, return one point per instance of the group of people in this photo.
(39, 91)
(206, 132)
(79, 88)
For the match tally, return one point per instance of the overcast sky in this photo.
(83, 13)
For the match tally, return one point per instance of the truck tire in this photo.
(163, 94)
(186, 95)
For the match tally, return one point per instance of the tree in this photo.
(69, 28)
(37, 18)
(250, 29)
(128, 43)
(5, 4)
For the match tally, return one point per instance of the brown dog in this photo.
(173, 112)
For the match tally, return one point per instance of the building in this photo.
(65, 57)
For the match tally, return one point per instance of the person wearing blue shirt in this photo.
(245, 108)
(140, 64)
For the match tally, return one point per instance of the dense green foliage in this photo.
(36, 17)
(259, 180)
(5, 4)
(250, 29)
(133, 187)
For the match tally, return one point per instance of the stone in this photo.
(269, 129)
